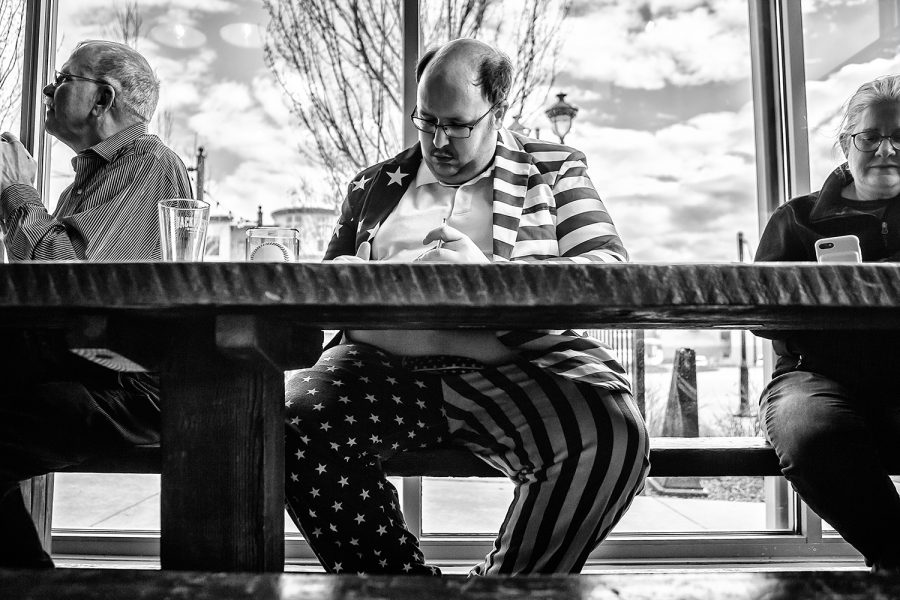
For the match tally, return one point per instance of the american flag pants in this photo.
(577, 454)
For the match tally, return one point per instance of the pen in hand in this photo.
(440, 241)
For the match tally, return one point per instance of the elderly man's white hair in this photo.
(129, 72)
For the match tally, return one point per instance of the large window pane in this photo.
(868, 49)
(220, 93)
(708, 504)
(666, 122)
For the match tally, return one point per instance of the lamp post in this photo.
(200, 168)
(561, 114)
(744, 383)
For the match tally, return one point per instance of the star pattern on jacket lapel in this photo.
(396, 177)
(360, 184)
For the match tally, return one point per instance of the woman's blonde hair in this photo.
(883, 89)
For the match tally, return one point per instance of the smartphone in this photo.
(843, 248)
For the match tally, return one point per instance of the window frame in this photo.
(779, 97)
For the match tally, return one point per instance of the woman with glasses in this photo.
(832, 409)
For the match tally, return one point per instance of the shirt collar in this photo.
(108, 148)
(424, 176)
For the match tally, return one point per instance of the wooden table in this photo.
(94, 584)
(222, 333)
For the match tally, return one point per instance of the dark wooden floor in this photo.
(110, 584)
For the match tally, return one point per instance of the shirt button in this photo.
(78, 191)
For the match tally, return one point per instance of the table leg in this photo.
(222, 491)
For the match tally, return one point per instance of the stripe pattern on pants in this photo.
(577, 454)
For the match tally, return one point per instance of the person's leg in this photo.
(20, 545)
(885, 420)
(45, 426)
(577, 453)
(356, 406)
(828, 450)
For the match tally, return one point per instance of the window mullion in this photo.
(38, 58)
(411, 35)
(412, 504)
(794, 94)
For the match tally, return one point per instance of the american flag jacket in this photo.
(545, 208)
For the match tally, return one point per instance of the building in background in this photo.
(314, 220)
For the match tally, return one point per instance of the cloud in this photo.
(230, 118)
(88, 10)
(252, 145)
(265, 183)
(182, 78)
(679, 43)
(680, 193)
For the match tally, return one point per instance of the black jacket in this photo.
(851, 357)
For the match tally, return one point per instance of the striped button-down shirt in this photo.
(108, 213)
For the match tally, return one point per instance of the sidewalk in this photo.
(90, 501)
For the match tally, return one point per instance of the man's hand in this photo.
(455, 247)
(16, 165)
(346, 258)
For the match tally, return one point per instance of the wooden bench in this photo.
(669, 457)
(221, 334)
(95, 584)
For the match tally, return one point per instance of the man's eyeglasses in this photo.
(61, 78)
(869, 141)
(452, 130)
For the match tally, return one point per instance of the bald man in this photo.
(551, 411)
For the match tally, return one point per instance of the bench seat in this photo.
(669, 457)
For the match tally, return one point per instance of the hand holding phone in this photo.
(843, 248)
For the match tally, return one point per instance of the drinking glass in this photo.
(182, 227)
(272, 244)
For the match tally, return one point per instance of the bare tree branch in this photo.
(128, 24)
(12, 22)
(340, 65)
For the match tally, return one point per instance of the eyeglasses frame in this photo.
(470, 125)
(62, 74)
(889, 138)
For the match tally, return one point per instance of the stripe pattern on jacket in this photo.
(545, 208)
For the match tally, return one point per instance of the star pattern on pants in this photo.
(340, 423)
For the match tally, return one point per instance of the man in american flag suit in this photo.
(57, 409)
(551, 411)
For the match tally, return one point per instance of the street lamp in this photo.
(744, 375)
(561, 115)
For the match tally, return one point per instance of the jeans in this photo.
(832, 441)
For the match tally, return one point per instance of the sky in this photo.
(663, 90)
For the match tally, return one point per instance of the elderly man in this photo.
(551, 411)
(57, 409)
(98, 105)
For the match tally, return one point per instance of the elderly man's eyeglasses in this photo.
(869, 141)
(61, 78)
(452, 130)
